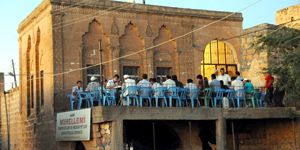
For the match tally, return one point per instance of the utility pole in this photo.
(14, 72)
(101, 69)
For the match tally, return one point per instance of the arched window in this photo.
(217, 55)
(37, 69)
(28, 93)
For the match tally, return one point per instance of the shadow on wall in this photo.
(167, 136)
(79, 146)
(140, 135)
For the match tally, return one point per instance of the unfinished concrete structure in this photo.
(62, 36)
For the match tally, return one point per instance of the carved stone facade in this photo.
(60, 36)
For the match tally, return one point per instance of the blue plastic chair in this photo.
(174, 93)
(230, 95)
(83, 96)
(219, 96)
(183, 95)
(95, 96)
(258, 98)
(194, 94)
(132, 93)
(240, 97)
(109, 98)
(207, 96)
(160, 93)
(72, 100)
(145, 93)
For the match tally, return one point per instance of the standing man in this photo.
(224, 77)
(269, 88)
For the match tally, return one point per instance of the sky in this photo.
(12, 12)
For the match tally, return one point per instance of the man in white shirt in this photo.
(144, 82)
(224, 77)
(238, 76)
(93, 85)
(236, 84)
(113, 83)
(127, 82)
(76, 89)
(169, 82)
(190, 85)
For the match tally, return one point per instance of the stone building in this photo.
(60, 37)
(253, 63)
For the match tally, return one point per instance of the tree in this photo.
(283, 48)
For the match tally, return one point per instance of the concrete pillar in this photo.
(2, 84)
(117, 135)
(221, 134)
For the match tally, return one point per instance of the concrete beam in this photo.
(103, 114)
(221, 137)
(117, 135)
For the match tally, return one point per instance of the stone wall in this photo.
(289, 16)
(254, 62)
(264, 134)
(10, 119)
(76, 44)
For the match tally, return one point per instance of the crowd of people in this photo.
(220, 79)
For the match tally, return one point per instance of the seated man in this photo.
(249, 88)
(169, 82)
(93, 85)
(236, 85)
(144, 82)
(178, 83)
(76, 89)
(154, 85)
(214, 83)
(113, 83)
(190, 85)
(127, 82)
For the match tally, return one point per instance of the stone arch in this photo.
(130, 43)
(166, 55)
(37, 68)
(91, 53)
(28, 97)
(219, 54)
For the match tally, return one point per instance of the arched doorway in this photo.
(217, 55)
